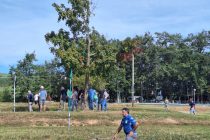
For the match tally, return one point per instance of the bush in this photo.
(7, 95)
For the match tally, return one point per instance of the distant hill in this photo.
(4, 75)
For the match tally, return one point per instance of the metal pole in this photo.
(132, 87)
(141, 92)
(69, 121)
(118, 90)
(14, 91)
(194, 94)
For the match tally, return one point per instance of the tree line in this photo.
(170, 63)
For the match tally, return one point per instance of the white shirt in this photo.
(36, 97)
(106, 95)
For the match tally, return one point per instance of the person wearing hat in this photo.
(42, 98)
(30, 100)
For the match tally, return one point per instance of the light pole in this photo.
(194, 94)
(14, 80)
(132, 87)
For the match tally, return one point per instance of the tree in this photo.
(24, 71)
(74, 46)
(130, 47)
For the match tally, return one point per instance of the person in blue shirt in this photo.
(42, 98)
(91, 93)
(129, 125)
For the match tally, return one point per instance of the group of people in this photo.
(78, 98)
(75, 99)
(38, 98)
(97, 99)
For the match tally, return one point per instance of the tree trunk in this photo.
(87, 77)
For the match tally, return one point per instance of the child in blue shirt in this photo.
(128, 124)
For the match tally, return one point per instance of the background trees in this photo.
(169, 63)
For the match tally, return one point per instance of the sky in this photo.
(23, 23)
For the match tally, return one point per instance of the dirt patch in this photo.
(170, 121)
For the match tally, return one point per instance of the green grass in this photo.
(89, 125)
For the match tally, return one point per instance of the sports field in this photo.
(157, 124)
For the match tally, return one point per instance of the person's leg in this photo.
(40, 108)
(64, 104)
(98, 104)
(72, 105)
(29, 106)
(105, 105)
(91, 104)
(44, 104)
(76, 104)
(134, 137)
(41, 105)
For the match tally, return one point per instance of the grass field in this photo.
(157, 124)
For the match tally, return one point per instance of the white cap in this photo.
(42, 87)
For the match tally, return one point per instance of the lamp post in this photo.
(194, 94)
(14, 80)
(132, 86)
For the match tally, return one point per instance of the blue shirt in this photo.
(128, 123)
(43, 94)
(91, 93)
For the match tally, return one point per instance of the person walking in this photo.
(129, 124)
(30, 100)
(42, 98)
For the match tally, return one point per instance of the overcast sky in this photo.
(24, 23)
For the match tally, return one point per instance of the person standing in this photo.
(192, 106)
(36, 100)
(91, 93)
(82, 99)
(166, 104)
(30, 100)
(42, 98)
(63, 95)
(95, 99)
(129, 124)
(104, 100)
(74, 98)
